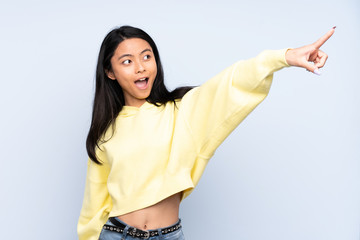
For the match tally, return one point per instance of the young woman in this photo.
(148, 147)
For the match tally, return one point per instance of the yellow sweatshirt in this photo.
(158, 151)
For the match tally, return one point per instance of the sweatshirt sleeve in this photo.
(96, 203)
(213, 110)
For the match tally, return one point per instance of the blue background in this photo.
(290, 171)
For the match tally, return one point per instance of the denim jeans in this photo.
(111, 235)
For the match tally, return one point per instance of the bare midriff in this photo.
(159, 215)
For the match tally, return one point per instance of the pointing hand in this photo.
(303, 56)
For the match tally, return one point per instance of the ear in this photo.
(110, 74)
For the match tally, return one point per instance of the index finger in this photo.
(324, 38)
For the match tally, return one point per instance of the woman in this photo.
(148, 147)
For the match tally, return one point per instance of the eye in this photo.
(146, 57)
(126, 62)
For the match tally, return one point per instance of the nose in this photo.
(140, 67)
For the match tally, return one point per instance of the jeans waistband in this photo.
(122, 227)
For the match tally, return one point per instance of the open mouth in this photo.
(142, 83)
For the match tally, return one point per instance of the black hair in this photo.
(109, 97)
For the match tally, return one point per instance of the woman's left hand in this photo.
(303, 56)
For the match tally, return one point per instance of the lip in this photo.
(141, 78)
(145, 86)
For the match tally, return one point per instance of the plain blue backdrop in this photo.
(289, 171)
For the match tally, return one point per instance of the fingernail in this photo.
(334, 27)
(317, 72)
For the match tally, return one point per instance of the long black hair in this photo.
(109, 97)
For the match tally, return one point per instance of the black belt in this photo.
(134, 232)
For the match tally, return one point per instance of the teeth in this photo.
(142, 79)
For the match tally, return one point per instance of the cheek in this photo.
(154, 68)
(123, 75)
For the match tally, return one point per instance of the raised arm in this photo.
(209, 113)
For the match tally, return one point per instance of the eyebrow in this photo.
(130, 55)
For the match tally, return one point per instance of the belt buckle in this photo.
(146, 234)
(133, 232)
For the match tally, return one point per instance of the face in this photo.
(134, 68)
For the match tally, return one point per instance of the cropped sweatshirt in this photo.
(156, 152)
